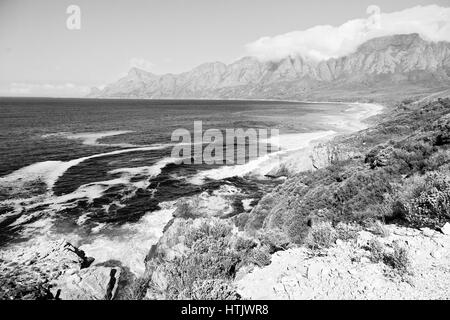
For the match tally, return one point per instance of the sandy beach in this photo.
(297, 149)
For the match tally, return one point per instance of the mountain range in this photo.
(392, 65)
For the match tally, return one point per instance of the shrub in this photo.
(297, 230)
(377, 228)
(353, 190)
(185, 210)
(256, 220)
(322, 235)
(139, 288)
(376, 249)
(359, 193)
(214, 229)
(213, 255)
(244, 244)
(274, 240)
(260, 256)
(426, 200)
(347, 231)
(411, 156)
(398, 260)
(216, 289)
(208, 260)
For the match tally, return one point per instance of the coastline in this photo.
(295, 155)
(133, 241)
(303, 159)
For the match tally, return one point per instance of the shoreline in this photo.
(302, 159)
(194, 99)
(142, 237)
(260, 167)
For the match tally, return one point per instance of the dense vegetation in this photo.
(401, 174)
(212, 253)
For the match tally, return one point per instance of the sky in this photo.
(40, 56)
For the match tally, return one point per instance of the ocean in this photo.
(100, 173)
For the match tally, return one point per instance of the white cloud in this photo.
(326, 41)
(141, 64)
(47, 89)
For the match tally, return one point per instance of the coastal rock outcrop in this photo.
(54, 270)
(347, 270)
(94, 283)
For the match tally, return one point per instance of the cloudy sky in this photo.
(40, 56)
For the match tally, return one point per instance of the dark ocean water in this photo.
(81, 162)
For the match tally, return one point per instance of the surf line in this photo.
(50, 171)
(209, 145)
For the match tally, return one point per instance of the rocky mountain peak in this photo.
(403, 59)
(139, 73)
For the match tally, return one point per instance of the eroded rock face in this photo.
(94, 283)
(27, 273)
(54, 270)
(347, 271)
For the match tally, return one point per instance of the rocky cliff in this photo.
(348, 271)
(381, 64)
(55, 270)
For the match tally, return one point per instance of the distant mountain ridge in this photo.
(386, 64)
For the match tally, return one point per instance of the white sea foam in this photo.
(263, 165)
(131, 242)
(353, 118)
(297, 145)
(91, 138)
(50, 171)
(246, 203)
(295, 141)
(153, 170)
(96, 189)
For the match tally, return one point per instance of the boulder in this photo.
(94, 283)
(363, 238)
(446, 229)
(29, 272)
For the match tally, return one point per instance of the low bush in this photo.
(297, 229)
(426, 200)
(185, 210)
(377, 228)
(373, 184)
(376, 249)
(398, 260)
(322, 235)
(347, 231)
(208, 260)
(139, 288)
(260, 256)
(214, 253)
(275, 240)
(215, 289)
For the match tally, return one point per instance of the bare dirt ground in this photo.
(347, 271)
